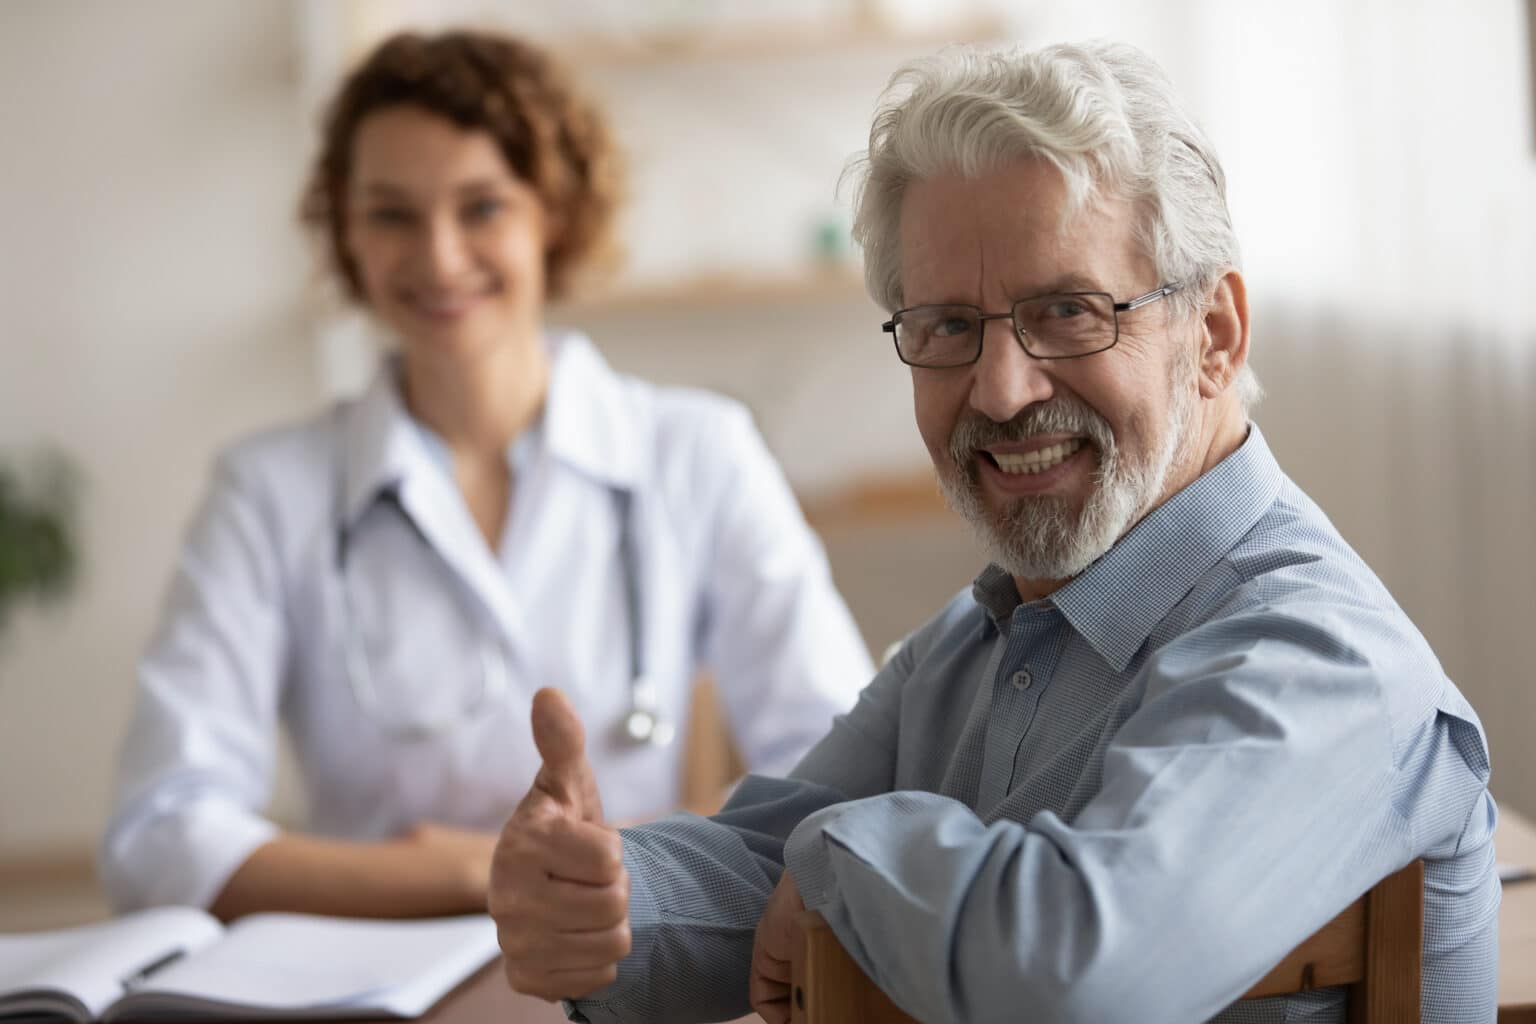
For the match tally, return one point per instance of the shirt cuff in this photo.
(807, 855)
(644, 919)
(874, 831)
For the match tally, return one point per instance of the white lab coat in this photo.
(730, 577)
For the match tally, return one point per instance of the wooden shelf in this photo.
(718, 291)
(359, 25)
(811, 37)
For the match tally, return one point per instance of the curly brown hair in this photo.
(550, 136)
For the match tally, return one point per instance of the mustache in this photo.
(1059, 415)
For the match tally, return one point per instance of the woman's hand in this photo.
(463, 856)
(431, 870)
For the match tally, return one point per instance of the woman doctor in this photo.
(501, 511)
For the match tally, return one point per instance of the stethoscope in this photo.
(643, 724)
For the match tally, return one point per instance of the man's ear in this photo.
(1224, 335)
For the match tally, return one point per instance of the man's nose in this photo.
(1007, 379)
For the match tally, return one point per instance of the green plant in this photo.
(38, 555)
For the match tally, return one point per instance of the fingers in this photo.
(590, 906)
(773, 1011)
(559, 892)
(555, 985)
(560, 897)
(774, 971)
(541, 837)
(573, 957)
(566, 774)
(533, 901)
(770, 997)
(556, 951)
(769, 984)
(772, 948)
(557, 730)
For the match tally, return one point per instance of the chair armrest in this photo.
(1375, 946)
(828, 986)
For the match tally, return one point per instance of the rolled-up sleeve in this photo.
(698, 885)
(1247, 800)
(198, 762)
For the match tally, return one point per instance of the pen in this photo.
(141, 975)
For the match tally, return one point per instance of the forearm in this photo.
(406, 877)
(953, 918)
(697, 890)
(958, 919)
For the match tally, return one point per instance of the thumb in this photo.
(566, 774)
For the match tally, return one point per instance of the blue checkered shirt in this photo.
(1125, 802)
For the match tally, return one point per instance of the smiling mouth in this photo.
(1030, 463)
(439, 307)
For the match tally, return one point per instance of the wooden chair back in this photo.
(1374, 947)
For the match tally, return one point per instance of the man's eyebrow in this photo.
(1072, 282)
(1068, 282)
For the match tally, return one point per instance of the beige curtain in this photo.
(1384, 184)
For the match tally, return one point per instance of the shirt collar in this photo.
(382, 445)
(996, 592)
(1117, 602)
(591, 420)
(589, 423)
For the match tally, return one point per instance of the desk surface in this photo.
(486, 996)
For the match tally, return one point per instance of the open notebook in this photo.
(178, 962)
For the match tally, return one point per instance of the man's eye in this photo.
(1065, 308)
(952, 327)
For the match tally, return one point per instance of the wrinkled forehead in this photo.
(1020, 224)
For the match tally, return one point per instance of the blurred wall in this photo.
(155, 294)
(151, 284)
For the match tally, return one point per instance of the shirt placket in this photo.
(1023, 674)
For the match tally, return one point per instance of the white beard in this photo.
(1034, 537)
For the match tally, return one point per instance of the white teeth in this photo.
(1038, 461)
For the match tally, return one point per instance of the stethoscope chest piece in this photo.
(644, 723)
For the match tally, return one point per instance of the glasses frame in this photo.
(889, 327)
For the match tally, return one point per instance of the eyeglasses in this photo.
(1061, 325)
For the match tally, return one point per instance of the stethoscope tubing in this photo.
(643, 723)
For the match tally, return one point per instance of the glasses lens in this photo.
(938, 335)
(1069, 324)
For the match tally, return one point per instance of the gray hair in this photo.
(1104, 114)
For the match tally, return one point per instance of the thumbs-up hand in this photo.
(559, 892)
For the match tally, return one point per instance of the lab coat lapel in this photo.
(594, 422)
(588, 448)
(386, 451)
(593, 425)
(438, 510)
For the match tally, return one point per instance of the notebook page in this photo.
(90, 962)
(290, 962)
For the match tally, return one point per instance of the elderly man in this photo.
(1173, 727)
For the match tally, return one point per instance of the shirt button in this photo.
(1022, 680)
